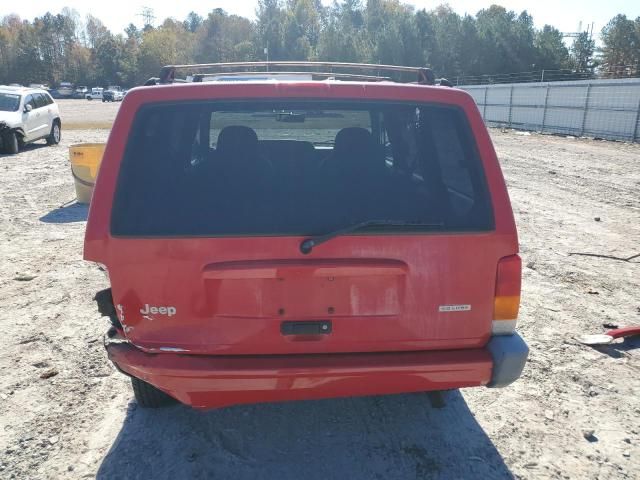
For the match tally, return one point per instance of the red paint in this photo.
(381, 292)
(624, 332)
(218, 381)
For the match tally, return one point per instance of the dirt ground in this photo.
(87, 114)
(66, 412)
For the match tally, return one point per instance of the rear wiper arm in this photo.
(306, 246)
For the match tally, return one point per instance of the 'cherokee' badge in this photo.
(454, 308)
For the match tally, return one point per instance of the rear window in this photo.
(40, 99)
(299, 168)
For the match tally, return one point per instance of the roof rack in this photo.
(200, 77)
(424, 75)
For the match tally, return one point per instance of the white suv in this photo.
(27, 115)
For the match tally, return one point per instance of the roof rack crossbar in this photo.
(362, 66)
(313, 74)
(424, 74)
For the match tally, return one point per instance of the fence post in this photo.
(586, 110)
(510, 104)
(544, 112)
(636, 130)
(484, 105)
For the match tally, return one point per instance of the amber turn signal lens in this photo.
(506, 308)
(507, 297)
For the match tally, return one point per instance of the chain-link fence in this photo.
(595, 108)
(560, 75)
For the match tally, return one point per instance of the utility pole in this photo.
(147, 16)
(579, 32)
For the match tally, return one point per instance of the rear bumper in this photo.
(509, 354)
(217, 381)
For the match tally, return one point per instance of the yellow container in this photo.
(85, 162)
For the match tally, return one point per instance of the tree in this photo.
(10, 28)
(621, 43)
(107, 57)
(271, 17)
(133, 33)
(582, 53)
(193, 22)
(393, 33)
(551, 52)
(494, 42)
(55, 40)
(345, 37)
(96, 31)
(301, 29)
(506, 40)
(168, 44)
(27, 56)
(469, 58)
(442, 49)
(225, 38)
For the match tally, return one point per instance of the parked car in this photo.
(95, 94)
(110, 95)
(80, 92)
(65, 90)
(366, 247)
(27, 115)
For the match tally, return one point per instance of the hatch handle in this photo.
(306, 327)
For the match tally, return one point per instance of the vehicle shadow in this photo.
(25, 148)
(75, 212)
(399, 436)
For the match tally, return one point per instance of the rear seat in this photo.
(360, 177)
(292, 160)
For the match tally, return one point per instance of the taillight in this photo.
(507, 297)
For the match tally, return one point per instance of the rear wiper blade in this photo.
(306, 246)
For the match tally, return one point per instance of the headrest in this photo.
(353, 141)
(236, 139)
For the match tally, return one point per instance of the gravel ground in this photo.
(78, 114)
(66, 413)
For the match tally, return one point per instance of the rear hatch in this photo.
(214, 199)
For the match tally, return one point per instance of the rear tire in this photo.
(149, 396)
(55, 135)
(10, 143)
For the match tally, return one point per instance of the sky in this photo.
(117, 14)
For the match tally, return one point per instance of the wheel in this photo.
(149, 396)
(55, 135)
(103, 100)
(89, 98)
(10, 142)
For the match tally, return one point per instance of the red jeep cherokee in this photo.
(275, 236)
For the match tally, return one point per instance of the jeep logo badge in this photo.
(149, 309)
